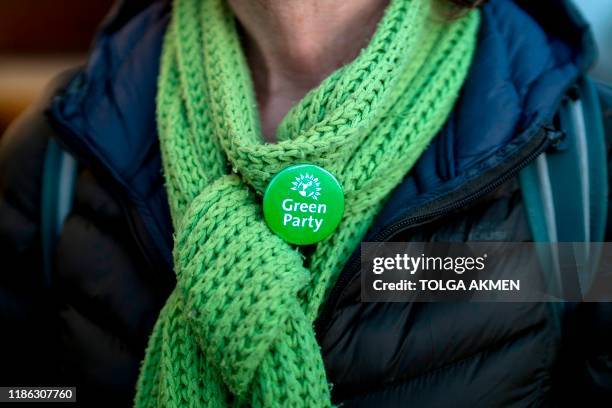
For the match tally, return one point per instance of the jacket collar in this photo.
(528, 54)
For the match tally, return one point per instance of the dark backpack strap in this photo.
(58, 180)
(566, 191)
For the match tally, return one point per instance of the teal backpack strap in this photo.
(566, 191)
(598, 160)
(58, 180)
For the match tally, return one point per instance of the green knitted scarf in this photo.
(238, 327)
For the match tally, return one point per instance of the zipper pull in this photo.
(556, 138)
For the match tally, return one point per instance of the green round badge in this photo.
(303, 204)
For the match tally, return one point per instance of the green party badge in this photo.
(303, 204)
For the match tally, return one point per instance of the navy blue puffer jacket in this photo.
(112, 270)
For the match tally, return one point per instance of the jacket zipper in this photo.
(545, 138)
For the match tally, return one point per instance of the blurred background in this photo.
(39, 38)
(599, 14)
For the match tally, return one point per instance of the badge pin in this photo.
(303, 204)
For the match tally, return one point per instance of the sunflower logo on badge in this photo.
(307, 185)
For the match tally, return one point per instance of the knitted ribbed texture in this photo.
(238, 328)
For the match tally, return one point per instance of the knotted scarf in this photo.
(238, 327)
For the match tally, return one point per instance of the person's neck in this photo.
(292, 45)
